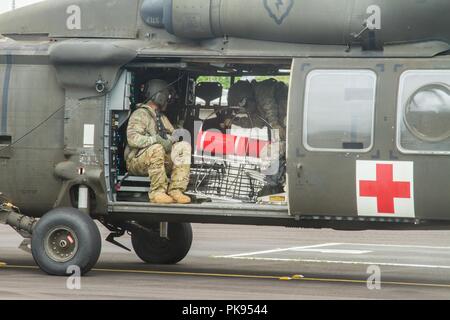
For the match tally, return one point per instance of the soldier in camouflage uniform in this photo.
(271, 101)
(266, 99)
(152, 152)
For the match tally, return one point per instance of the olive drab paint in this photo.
(5, 95)
(55, 56)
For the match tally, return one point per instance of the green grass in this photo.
(225, 81)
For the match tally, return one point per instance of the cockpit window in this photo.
(424, 112)
(339, 110)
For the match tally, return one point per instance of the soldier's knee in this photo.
(183, 146)
(154, 155)
(181, 153)
(157, 150)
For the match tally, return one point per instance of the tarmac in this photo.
(247, 262)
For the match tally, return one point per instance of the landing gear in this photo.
(63, 238)
(154, 249)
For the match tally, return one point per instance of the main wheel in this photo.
(153, 249)
(63, 238)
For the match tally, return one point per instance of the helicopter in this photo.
(367, 126)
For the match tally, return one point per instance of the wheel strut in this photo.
(10, 215)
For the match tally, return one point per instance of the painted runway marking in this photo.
(224, 275)
(280, 250)
(133, 271)
(395, 246)
(337, 251)
(337, 262)
(322, 248)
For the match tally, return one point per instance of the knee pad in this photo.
(181, 153)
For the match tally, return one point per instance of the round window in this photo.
(427, 112)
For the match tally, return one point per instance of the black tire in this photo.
(54, 227)
(153, 249)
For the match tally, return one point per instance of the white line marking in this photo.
(343, 251)
(280, 250)
(338, 262)
(395, 246)
(336, 251)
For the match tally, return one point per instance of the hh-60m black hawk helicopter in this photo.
(368, 118)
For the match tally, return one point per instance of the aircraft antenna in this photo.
(33, 129)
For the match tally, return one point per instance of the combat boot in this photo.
(161, 198)
(179, 197)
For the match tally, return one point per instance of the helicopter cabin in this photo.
(231, 167)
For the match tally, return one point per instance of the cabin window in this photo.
(423, 120)
(339, 110)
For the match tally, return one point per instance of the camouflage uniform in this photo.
(241, 95)
(145, 157)
(281, 97)
(271, 101)
(266, 99)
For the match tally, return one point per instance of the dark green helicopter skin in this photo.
(59, 60)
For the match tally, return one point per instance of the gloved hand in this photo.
(175, 136)
(167, 144)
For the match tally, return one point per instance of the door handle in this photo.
(299, 168)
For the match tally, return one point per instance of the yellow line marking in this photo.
(201, 274)
(10, 266)
(242, 276)
(396, 283)
(162, 272)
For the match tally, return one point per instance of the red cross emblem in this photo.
(382, 194)
(385, 189)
